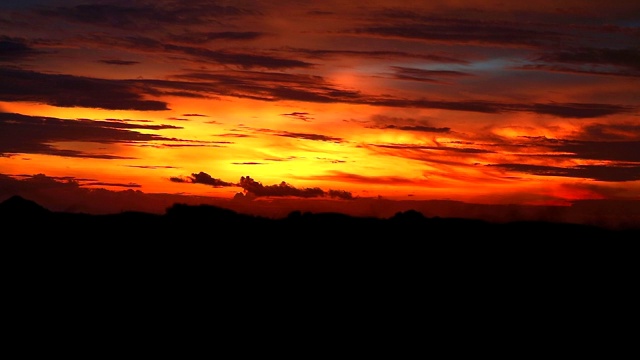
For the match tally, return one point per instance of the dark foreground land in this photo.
(195, 242)
(314, 263)
(22, 218)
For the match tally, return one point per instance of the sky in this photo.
(487, 102)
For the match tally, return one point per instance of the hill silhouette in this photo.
(18, 206)
(24, 216)
(213, 250)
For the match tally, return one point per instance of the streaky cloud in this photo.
(594, 172)
(119, 62)
(378, 54)
(417, 128)
(628, 58)
(38, 134)
(136, 15)
(73, 91)
(205, 37)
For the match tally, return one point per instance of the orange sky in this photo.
(479, 101)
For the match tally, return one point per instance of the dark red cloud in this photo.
(602, 150)
(72, 91)
(433, 148)
(241, 59)
(363, 179)
(300, 115)
(580, 70)
(152, 166)
(406, 73)
(305, 136)
(623, 131)
(377, 54)
(594, 172)
(140, 15)
(296, 135)
(415, 26)
(119, 62)
(198, 37)
(573, 110)
(564, 110)
(416, 128)
(301, 87)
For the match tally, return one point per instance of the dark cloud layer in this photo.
(300, 87)
(119, 62)
(379, 54)
(416, 128)
(143, 15)
(241, 59)
(205, 37)
(38, 134)
(77, 91)
(73, 91)
(409, 25)
(628, 58)
(422, 148)
(13, 49)
(595, 172)
(602, 150)
(589, 61)
(405, 73)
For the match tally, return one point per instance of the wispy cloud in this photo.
(300, 115)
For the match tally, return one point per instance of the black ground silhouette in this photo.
(23, 217)
(207, 252)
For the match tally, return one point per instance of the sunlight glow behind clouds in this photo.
(463, 99)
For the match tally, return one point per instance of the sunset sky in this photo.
(490, 102)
